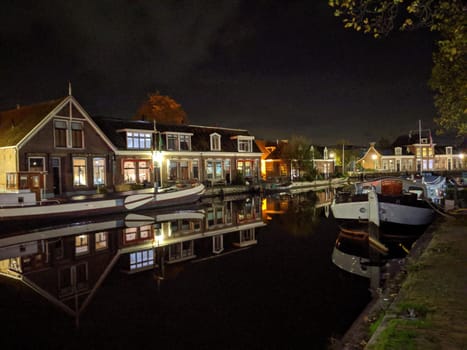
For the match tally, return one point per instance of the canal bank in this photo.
(423, 305)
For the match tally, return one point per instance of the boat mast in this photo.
(154, 160)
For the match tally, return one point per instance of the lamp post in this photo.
(156, 159)
(343, 159)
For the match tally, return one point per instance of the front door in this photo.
(56, 176)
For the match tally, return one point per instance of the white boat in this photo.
(397, 205)
(83, 206)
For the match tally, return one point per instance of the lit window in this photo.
(139, 140)
(141, 259)
(98, 171)
(101, 240)
(79, 172)
(129, 172)
(81, 244)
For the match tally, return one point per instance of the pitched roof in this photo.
(199, 141)
(15, 124)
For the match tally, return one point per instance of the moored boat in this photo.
(82, 206)
(402, 206)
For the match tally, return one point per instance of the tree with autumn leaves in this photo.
(446, 17)
(162, 109)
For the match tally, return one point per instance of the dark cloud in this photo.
(274, 67)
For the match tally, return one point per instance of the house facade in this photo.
(414, 154)
(276, 165)
(53, 148)
(147, 152)
(56, 149)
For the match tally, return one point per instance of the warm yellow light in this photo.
(332, 155)
(157, 157)
(374, 156)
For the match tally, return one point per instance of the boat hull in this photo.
(86, 206)
(397, 215)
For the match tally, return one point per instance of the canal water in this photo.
(240, 272)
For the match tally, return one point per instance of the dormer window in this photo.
(325, 153)
(215, 142)
(138, 140)
(245, 143)
(185, 142)
(178, 141)
(449, 150)
(398, 151)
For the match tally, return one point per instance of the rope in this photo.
(438, 210)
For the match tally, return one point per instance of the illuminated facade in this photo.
(56, 149)
(414, 154)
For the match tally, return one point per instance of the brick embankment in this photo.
(424, 304)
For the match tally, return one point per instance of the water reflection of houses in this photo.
(67, 265)
(280, 203)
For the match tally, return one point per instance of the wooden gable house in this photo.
(53, 148)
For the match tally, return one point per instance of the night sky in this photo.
(276, 68)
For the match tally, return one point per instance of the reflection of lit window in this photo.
(130, 234)
(218, 243)
(145, 231)
(101, 240)
(247, 235)
(141, 259)
(81, 244)
(79, 172)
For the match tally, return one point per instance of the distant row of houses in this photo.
(56, 148)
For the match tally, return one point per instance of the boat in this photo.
(83, 206)
(396, 205)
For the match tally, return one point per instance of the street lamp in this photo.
(156, 159)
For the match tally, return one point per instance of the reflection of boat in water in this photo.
(395, 205)
(360, 254)
(300, 186)
(67, 264)
(26, 208)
